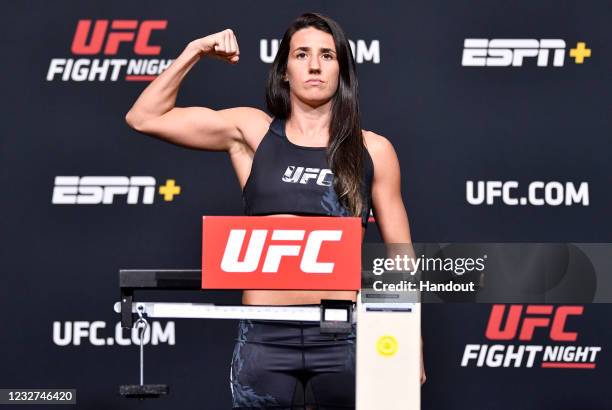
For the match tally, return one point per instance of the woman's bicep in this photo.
(202, 128)
(389, 210)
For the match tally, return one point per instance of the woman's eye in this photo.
(301, 55)
(328, 56)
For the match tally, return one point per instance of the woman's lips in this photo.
(314, 82)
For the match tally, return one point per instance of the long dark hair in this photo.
(345, 149)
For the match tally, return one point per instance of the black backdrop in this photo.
(449, 124)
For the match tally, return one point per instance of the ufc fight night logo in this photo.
(301, 175)
(524, 323)
(314, 253)
(104, 190)
(108, 38)
(479, 52)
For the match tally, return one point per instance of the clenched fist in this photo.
(222, 45)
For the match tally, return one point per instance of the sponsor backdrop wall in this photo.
(499, 112)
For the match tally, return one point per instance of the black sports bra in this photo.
(290, 179)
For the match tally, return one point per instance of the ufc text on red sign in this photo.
(301, 253)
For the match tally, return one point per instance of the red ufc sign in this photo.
(314, 253)
(121, 31)
(535, 316)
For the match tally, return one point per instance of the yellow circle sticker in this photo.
(386, 345)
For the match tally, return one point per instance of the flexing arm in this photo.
(154, 111)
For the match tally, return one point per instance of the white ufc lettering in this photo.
(294, 174)
(275, 252)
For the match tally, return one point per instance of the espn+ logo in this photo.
(308, 246)
(480, 52)
(521, 323)
(103, 190)
(106, 38)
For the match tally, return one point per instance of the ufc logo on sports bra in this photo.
(316, 253)
(301, 175)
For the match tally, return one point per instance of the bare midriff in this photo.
(295, 297)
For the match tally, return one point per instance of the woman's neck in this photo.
(309, 125)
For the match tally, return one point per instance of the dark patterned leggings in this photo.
(291, 365)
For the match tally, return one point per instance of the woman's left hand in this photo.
(423, 376)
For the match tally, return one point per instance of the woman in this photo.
(312, 95)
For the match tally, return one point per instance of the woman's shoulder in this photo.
(378, 146)
(253, 123)
(251, 116)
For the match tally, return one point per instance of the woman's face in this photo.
(312, 66)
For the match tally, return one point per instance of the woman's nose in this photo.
(314, 64)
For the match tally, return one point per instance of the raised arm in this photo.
(154, 112)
